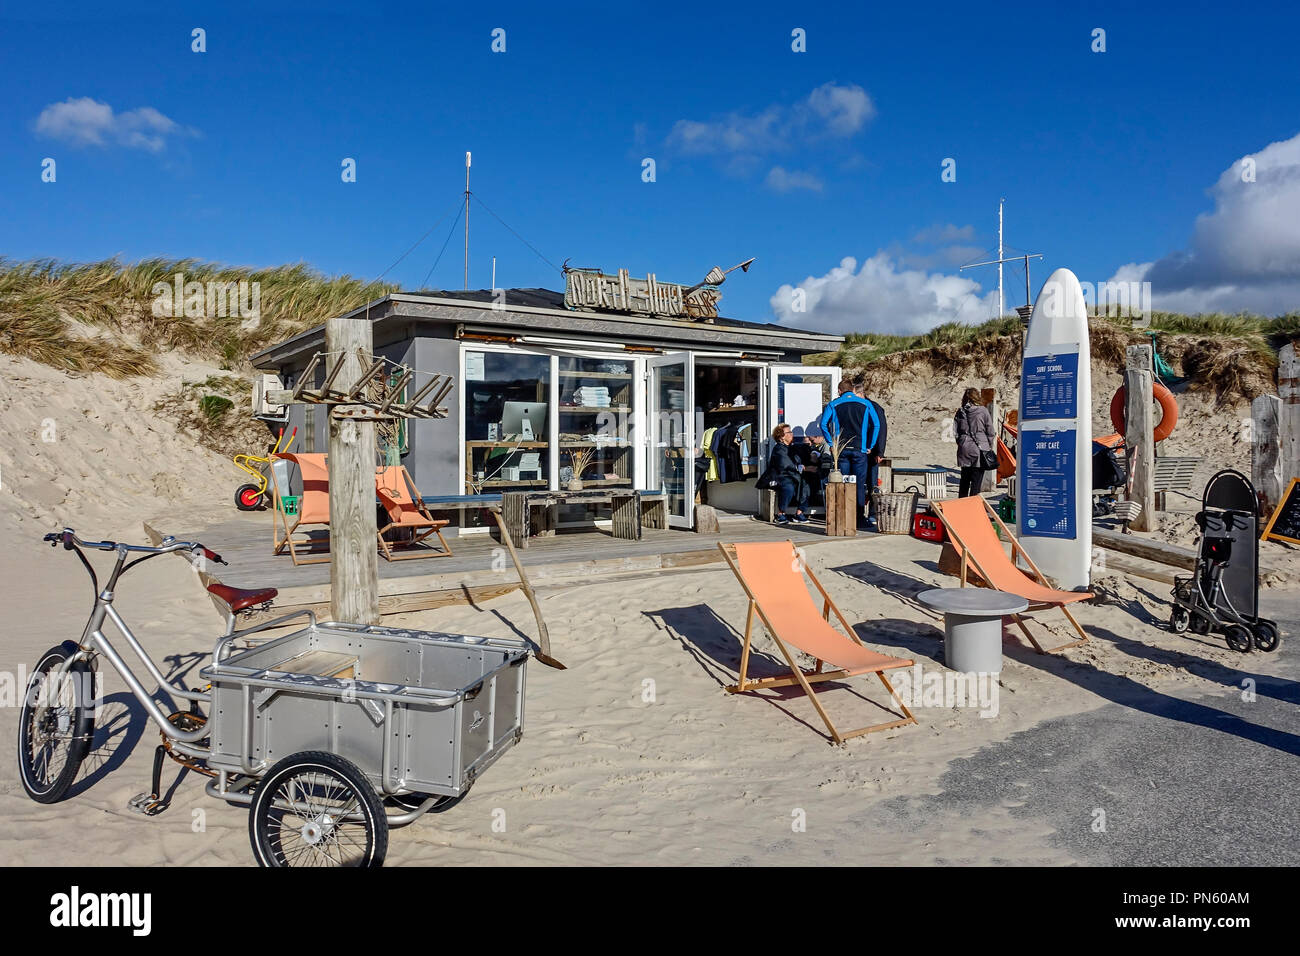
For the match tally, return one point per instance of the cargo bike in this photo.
(330, 735)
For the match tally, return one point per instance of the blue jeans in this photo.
(873, 475)
(857, 464)
(790, 491)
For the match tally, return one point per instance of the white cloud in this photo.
(829, 112)
(1245, 253)
(785, 180)
(881, 296)
(945, 233)
(83, 121)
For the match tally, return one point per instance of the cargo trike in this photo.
(329, 735)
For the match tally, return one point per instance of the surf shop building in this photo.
(642, 376)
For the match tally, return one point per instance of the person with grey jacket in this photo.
(974, 427)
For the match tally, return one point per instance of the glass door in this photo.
(796, 396)
(672, 434)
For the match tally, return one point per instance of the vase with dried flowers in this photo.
(837, 448)
(580, 460)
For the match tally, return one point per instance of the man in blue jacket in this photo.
(853, 419)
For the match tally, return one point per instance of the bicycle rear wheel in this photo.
(55, 725)
(317, 809)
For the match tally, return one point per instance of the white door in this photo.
(796, 396)
(671, 432)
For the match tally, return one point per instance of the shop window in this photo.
(506, 398)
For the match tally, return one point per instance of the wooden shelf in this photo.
(507, 444)
(505, 482)
(585, 409)
(733, 408)
(571, 374)
(613, 446)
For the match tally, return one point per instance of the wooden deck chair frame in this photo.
(805, 678)
(968, 558)
(434, 527)
(279, 519)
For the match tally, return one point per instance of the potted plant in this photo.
(837, 447)
(580, 460)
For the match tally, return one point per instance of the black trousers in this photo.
(972, 477)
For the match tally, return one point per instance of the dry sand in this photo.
(603, 774)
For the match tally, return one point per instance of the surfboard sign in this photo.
(1054, 451)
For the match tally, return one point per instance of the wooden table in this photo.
(517, 508)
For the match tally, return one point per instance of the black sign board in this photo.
(1284, 525)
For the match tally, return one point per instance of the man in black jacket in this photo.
(875, 455)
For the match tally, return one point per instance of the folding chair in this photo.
(967, 521)
(771, 572)
(404, 506)
(313, 507)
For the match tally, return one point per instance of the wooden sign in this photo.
(588, 289)
(1284, 525)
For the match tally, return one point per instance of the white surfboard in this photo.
(1054, 451)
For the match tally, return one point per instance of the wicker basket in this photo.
(894, 511)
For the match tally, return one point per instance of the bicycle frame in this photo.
(95, 641)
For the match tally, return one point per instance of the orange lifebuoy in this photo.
(1168, 407)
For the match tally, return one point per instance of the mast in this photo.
(1001, 302)
(467, 224)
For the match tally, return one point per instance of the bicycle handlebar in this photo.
(71, 541)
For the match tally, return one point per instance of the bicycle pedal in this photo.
(147, 804)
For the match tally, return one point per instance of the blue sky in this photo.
(1106, 160)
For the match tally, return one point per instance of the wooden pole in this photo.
(1139, 424)
(1266, 451)
(1288, 422)
(354, 554)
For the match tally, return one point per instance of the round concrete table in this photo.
(972, 625)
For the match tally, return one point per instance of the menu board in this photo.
(1047, 483)
(1284, 525)
(1048, 385)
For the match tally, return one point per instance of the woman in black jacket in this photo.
(785, 474)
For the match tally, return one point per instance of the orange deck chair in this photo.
(313, 507)
(967, 521)
(769, 571)
(405, 508)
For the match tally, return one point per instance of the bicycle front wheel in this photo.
(55, 725)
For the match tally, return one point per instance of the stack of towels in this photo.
(592, 396)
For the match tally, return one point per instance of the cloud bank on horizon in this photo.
(1243, 255)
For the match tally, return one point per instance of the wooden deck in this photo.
(478, 567)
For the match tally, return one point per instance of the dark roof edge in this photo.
(387, 306)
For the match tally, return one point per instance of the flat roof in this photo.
(536, 311)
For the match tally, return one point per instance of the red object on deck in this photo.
(928, 528)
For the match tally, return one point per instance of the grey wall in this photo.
(434, 455)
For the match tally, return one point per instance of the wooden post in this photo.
(989, 396)
(354, 555)
(1266, 451)
(1139, 422)
(841, 509)
(1288, 422)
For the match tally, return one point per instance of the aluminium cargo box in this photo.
(416, 711)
